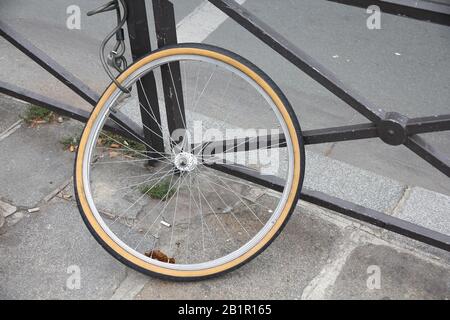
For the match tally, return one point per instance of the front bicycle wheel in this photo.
(216, 191)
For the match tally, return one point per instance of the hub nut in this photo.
(185, 161)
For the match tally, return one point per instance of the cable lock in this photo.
(116, 57)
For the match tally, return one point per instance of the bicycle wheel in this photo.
(205, 203)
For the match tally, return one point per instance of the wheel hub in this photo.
(185, 161)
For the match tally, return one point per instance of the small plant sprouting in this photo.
(38, 115)
(70, 143)
(127, 146)
(159, 191)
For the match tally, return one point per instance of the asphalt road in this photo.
(403, 67)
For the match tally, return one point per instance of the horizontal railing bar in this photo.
(429, 11)
(344, 207)
(379, 219)
(325, 135)
(299, 58)
(427, 152)
(428, 124)
(59, 107)
(241, 144)
(343, 133)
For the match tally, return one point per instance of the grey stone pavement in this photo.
(320, 254)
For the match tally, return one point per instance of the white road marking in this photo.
(130, 287)
(5, 134)
(201, 22)
(320, 287)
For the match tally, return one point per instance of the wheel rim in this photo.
(185, 160)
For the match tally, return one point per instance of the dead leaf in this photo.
(115, 145)
(114, 154)
(160, 256)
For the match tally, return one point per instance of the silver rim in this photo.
(92, 142)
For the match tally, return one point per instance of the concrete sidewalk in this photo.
(320, 254)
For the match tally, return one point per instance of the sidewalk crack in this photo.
(401, 202)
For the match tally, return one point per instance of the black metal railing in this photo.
(391, 127)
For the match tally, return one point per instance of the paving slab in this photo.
(131, 286)
(402, 276)
(10, 111)
(34, 162)
(427, 250)
(396, 162)
(351, 183)
(427, 208)
(42, 251)
(280, 272)
(6, 209)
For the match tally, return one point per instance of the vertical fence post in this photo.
(166, 33)
(147, 93)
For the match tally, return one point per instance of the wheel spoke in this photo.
(226, 206)
(239, 197)
(141, 197)
(170, 208)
